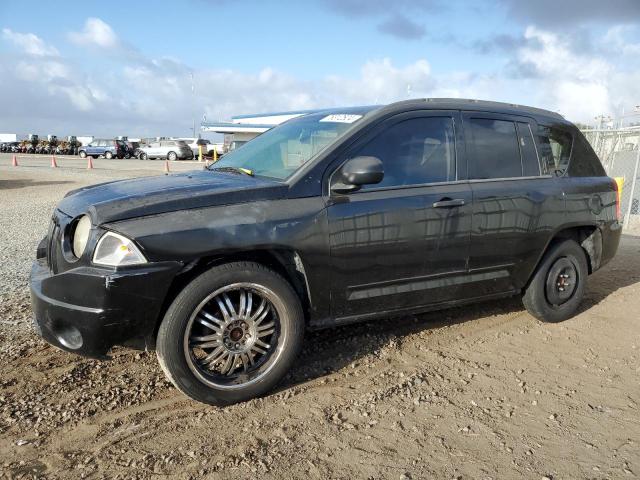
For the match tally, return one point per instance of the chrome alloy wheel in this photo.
(232, 338)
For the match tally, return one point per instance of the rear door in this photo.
(516, 205)
(102, 147)
(402, 243)
(154, 149)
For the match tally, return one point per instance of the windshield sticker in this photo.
(341, 118)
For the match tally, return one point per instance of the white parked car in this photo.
(169, 149)
(207, 146)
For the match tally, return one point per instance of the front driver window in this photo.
(414, 152)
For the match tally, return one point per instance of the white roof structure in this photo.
(254, 124)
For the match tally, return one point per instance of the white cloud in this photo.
(380, 81)
(95, 33)
(30, 43)
(575, 84)
(615, 40)
(143, 96)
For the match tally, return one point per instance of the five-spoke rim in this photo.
(234, 335)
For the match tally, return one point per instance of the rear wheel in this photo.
(172, 156)
(83, 154)
(231, 334)
(143, 156)
(108, 155)
(557, 286)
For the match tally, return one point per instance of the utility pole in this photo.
(193, 104)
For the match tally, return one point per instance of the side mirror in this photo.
(357, 172)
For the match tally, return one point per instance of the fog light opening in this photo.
(69, 336)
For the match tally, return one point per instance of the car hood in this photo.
(123, 199)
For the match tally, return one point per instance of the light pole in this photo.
(596, 144)
(193, 104)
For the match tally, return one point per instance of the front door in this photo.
(402, 243)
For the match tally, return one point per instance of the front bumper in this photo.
(88, 310)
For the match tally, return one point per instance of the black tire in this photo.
(95, 156)
(143, 156)
(179, 361)
(172, 156)
(550, 297)
(108, 155)
(83, 154)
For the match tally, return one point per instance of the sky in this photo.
(153, 68)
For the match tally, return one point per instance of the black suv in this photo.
(331, 218)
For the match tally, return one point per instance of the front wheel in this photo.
(143, 156)
(231, 334)
(108, 155)
(172, 156)
(558, 284)
(83, 154)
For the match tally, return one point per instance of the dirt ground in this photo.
(479, 392)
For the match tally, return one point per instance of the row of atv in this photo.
(43, 147)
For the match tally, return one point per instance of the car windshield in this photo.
(279, 152)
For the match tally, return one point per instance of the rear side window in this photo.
(495, 151)
(530, 164)
(414, 152)
(555, 149)
(584, 161)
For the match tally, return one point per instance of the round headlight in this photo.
(81, 235)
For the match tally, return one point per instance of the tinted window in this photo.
(413, 152)
(585, 162)
(494, 147)
(530, 164)
(555, 149)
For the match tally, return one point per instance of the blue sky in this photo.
(120, 67)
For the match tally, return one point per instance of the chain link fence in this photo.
(619, 152)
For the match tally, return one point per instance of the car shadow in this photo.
(25, 182)
(328, 351)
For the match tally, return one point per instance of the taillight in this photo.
(619, 182)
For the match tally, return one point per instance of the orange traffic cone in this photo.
(89, 163)
(14, 162)
(54, 164)
(166, 166)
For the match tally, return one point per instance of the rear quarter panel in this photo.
(592, 201)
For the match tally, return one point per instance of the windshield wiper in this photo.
(238, 170)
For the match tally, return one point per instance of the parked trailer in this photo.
(8, 137)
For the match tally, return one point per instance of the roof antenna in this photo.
(408, 90)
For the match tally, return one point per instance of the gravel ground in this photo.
(478, 392)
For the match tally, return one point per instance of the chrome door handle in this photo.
(458, 202)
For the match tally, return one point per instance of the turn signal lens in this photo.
(619, 182)
(116, 250)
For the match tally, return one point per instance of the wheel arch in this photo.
(286, 262)
(588, 236)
